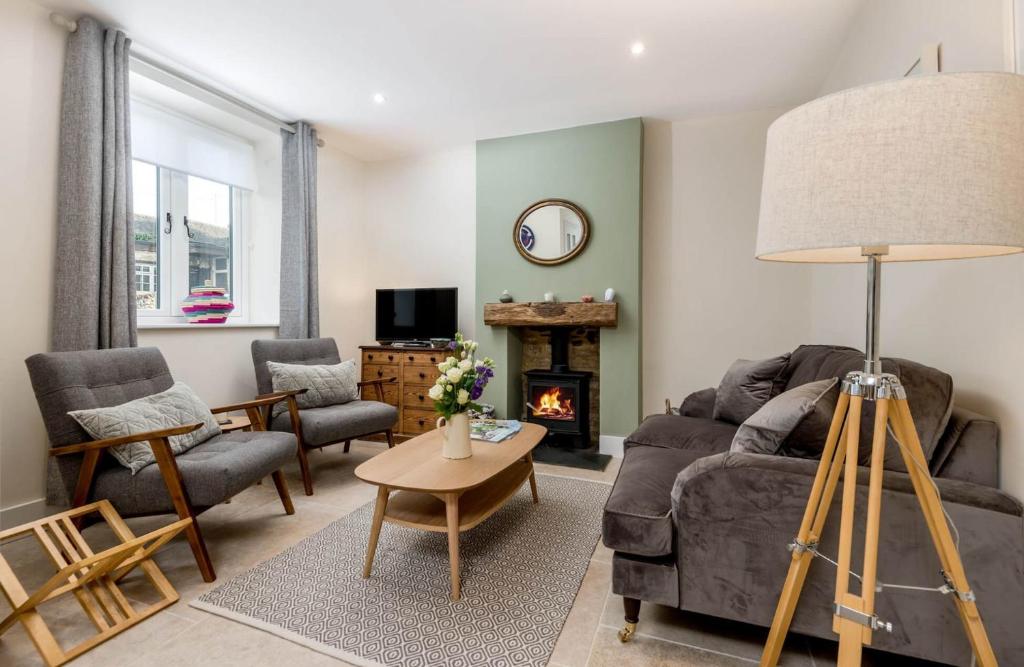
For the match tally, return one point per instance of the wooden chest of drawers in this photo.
(416, 370)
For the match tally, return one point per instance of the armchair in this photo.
(186, 485)
(315, 428)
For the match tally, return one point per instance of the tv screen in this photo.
(417, 314)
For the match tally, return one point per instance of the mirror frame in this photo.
(561, 259)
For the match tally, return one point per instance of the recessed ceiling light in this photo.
(637, 48)
(378, 98)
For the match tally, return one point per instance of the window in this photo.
(187, 236)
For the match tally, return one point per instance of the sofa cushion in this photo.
(213, 472)
(929, 393)
(176, 406)
(746, 386)
(333, 423)
(325, 384)
(678, 432)
(638, 515)
(766, 430)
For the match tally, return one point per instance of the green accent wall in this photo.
(599, 168)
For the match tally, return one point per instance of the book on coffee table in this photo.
(493, 430)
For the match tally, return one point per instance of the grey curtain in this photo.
(94, 300)
(300, 305)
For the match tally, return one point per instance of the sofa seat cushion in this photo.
(334, 423)
(638, 515)
(212, 472)
(677, 432)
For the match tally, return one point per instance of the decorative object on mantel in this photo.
(549, 297)
(207, 305)
(505, 297)
(586, 298)
(551, 232)
(456, 391)
(609, 295)
(541, 314)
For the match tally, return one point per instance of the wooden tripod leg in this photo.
(849, 502)
(874, 515)
(931, 506)
(818, 502)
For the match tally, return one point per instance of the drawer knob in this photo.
(370, 357)
(420, 397)
(423, 375)
(391, 357)
(380, 374)
(412, 358)
(433, 360)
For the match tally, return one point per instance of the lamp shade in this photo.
(927, 168)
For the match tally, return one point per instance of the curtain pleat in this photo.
(94, 282)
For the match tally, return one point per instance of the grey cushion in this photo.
(637, 517)
(212, 472)
(679, 432)
(808, 438)
(177, 406)
(746, 386)
(333, 423)
(310, 351)
(929, 394)
(325, 384)
(699, 404)
(766, 429)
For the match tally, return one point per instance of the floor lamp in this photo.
(916, 169)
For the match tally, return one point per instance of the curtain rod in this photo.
(71, 26)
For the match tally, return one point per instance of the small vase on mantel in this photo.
(455, 432)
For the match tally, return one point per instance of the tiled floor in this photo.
(253, 527)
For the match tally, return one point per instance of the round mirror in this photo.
(551, 231)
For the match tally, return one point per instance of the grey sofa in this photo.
(315, 428)
(186, 485)
(697, 527)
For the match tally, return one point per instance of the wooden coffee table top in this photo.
(417, 464)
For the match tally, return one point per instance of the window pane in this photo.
(147, 235)
(209, 248)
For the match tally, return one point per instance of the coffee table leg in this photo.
(451, 501)
(533, 479)
(378, 521)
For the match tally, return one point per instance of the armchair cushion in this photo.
(638, 515)
(333, 423)
(327, 384)
(678, 432)
(176, 406)
(212, 472)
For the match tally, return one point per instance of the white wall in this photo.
(31, 60)
(707, 300)
(965, 317)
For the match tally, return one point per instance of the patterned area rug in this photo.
(521, 570)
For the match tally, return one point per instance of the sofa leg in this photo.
(632, 609)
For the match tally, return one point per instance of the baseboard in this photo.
(611, 445)
(23, 513)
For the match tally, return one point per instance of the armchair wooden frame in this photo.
(293, 413)
(158, 441)
(90, 577)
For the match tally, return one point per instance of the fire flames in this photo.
(551, 406)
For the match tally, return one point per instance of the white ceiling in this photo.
(455, 71)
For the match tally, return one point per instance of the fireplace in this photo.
(560, 401)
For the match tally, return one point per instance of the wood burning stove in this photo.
(560, 401)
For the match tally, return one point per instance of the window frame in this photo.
(173, 250)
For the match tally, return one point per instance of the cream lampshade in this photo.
(919, 168)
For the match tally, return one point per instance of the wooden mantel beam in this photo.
(544, 314)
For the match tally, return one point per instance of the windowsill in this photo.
(201, 327)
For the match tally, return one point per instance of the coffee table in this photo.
(444, 495)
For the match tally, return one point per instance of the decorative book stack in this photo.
(207, 305)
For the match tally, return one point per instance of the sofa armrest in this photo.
(968, 449)
(699, 404)
(734, 514)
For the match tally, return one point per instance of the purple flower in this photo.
(452, 345)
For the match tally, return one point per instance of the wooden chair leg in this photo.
(391, 438)
(282, 491)
(179, 497)
(307, 476)
(348, 443)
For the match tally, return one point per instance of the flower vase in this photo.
(455, 433)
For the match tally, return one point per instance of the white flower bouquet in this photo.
(462, 380)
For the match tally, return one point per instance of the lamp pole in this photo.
(872, 356)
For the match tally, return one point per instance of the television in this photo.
(405, 315)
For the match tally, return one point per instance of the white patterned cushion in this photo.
(177, 406)
(327, 384)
